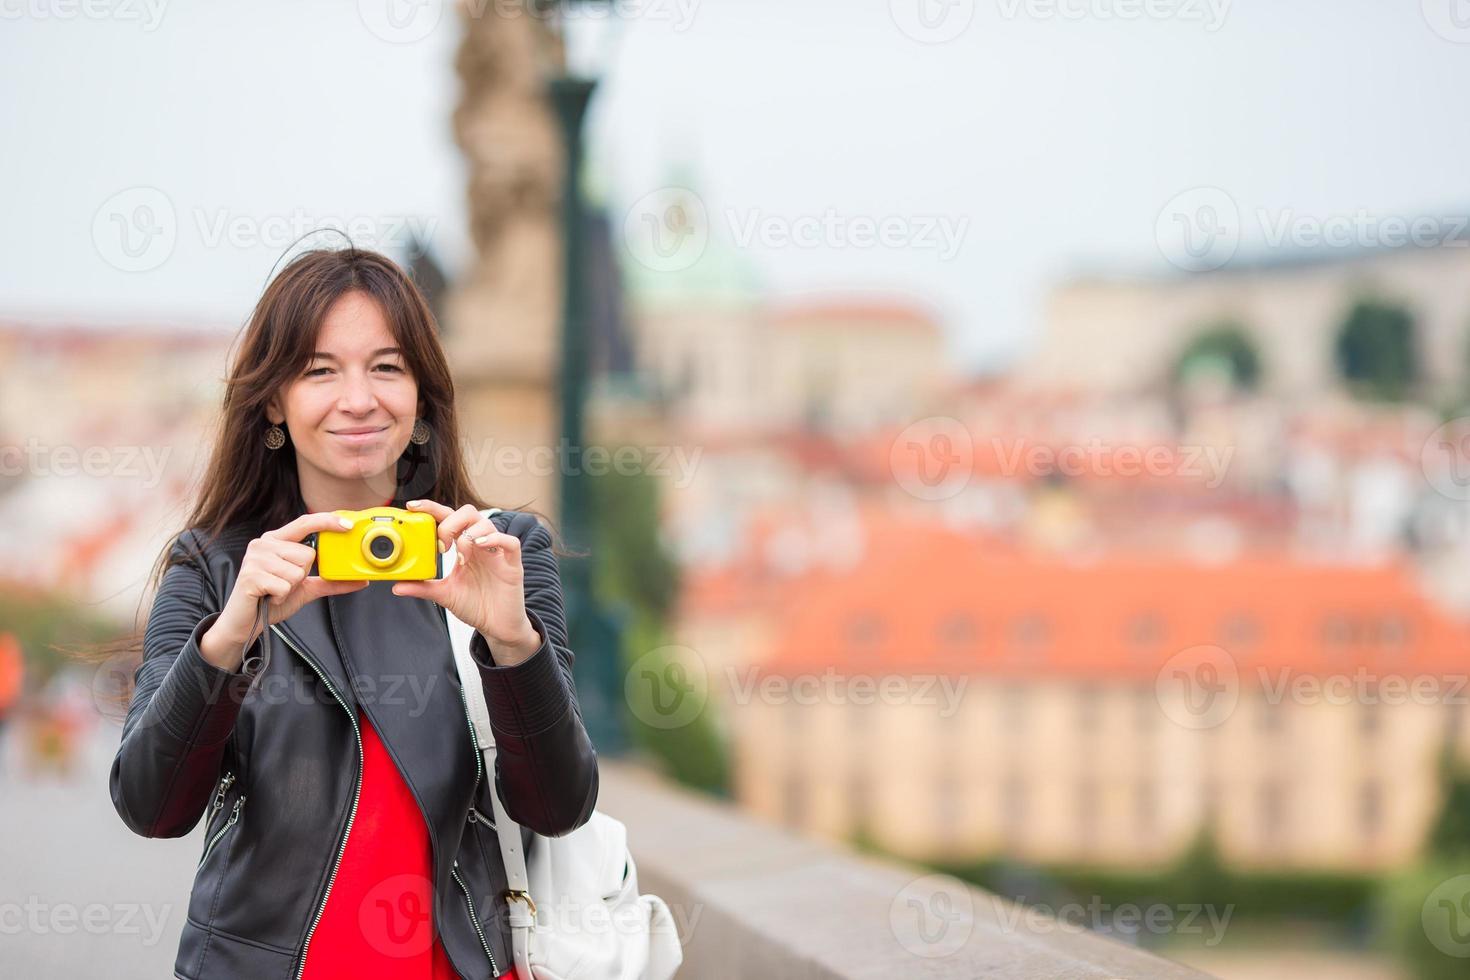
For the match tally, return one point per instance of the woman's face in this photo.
(351, 410)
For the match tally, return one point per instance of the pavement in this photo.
(80, 894)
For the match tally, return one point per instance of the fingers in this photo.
(452, 525)
(309, 523)
(437, 510)
(266, 584)
(424, 589)
(281, 568)
(316, 586)
(486, 537)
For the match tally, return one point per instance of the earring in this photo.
(275, 438)
(420, 432)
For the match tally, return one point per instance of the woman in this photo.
(348, 828)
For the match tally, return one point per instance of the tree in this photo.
(633, 571)
(1223, 349)
(1376, 351)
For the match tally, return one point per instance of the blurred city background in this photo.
(1024, 443)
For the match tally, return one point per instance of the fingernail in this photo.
(414, 503)
(346, 524)
(482, 539)
(460, 556)
(442, 546)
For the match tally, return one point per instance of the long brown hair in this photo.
(247, 485)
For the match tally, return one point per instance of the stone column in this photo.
(503, 314)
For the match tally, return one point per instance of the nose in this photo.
(357, 396)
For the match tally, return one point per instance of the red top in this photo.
(378, 918)
(377, 921)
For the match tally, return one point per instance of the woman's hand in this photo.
(486, 588)
(275, 565)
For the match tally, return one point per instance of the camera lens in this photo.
(382, 546)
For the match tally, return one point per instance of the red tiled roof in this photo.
(928, 600)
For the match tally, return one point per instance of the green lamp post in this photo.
(595, 632)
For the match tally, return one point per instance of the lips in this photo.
(359, 435)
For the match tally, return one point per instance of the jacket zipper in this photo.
(470, 904)
(219, 803)
(356, 793)
(479, 769)
(234, 817)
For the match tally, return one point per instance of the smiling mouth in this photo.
(360, 436)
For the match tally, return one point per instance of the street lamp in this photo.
(585, 31)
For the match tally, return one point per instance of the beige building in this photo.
(1096, 712)
(1124, 334)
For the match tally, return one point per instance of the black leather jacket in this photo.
(274, 769)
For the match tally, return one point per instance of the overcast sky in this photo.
(997, 146)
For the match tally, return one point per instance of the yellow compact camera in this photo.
(385, 543)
